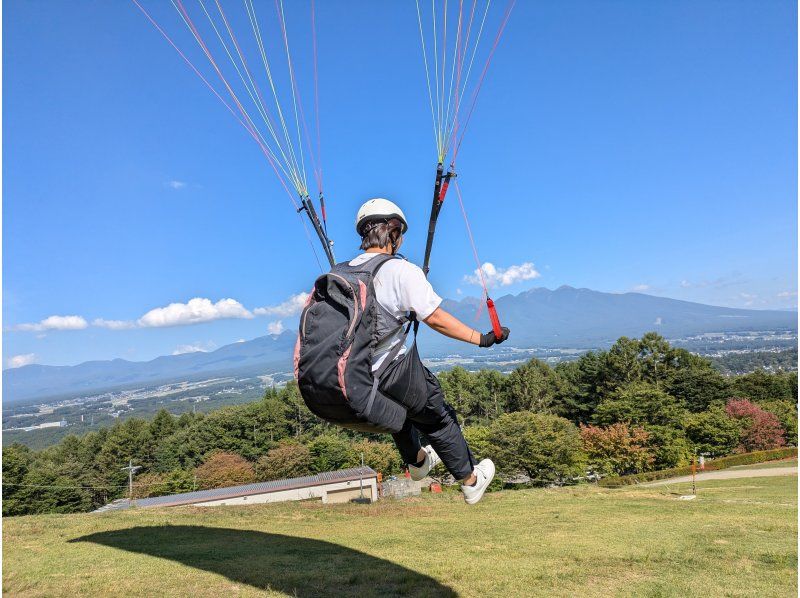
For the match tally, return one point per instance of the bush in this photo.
(148, 484)
(50, 490)
(670, 446)
(380, 456)
(713, 432)
(330, 452)
(761, 386)
(222, 469)
(287, 460)
(545, 448)
(698, 388)
(761, 430)
(710, 465)
(617, 449)
(533, 386)
(640, 403)
(17, 460)
(159, 484)
(479, 440)
(786, 412)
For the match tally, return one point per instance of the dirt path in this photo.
(727, 474)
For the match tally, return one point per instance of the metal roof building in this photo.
(332, 487)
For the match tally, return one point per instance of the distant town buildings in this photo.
(58, 424)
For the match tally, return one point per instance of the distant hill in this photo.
(570, 317)
(566, 317)
(262, 355)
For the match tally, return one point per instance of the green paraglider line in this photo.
(447, 132)
(296, 172)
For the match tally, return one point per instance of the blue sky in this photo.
(617, 145)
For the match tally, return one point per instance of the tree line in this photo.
(639, 406)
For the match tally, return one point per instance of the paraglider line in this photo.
(509, 8)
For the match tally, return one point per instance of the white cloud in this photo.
(176, 185)
(275, 327)
(195, 348)
(750, 299)
(717, 283)
(113, 324)
(194, 311)
(291, 307)
(56, 323)
(641, 288)
(787, 294)
(197, 310)
(502, 277)
(20, 360)
(658, 321)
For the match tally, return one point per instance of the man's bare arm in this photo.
(447, 324)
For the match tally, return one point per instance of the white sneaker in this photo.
(431, 461)
(484, 471)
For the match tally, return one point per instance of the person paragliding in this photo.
(352, 363)
(351, 360)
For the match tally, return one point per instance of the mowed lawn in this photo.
(738, 538)
(792, 462)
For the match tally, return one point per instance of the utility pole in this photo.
(131, 469)
(361, 478)
(299, 422)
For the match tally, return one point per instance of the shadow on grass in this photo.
(296, 566)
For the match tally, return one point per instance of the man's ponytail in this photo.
(382, 233)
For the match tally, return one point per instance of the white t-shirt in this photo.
(400, 287)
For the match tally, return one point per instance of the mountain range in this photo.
(562, 318)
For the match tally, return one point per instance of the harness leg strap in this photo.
(378, 374)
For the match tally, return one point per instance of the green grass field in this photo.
(769, 465)
(738, 538)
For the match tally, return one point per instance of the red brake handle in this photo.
(443, 190)
(496, 328)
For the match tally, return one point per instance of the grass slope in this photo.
(738, 538)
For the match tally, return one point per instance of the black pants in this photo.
(415, 387)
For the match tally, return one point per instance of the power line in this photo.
(108, 487)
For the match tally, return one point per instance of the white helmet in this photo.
(379, 209)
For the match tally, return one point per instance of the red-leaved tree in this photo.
(617, 449)
(761, 430)
(221, 469)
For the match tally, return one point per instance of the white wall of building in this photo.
(321, 491)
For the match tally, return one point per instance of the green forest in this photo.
(640, 406)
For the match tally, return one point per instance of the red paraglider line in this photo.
(471, 239)
(316, 91)
(241, 54)
(247, 126)
(493, 317)
(507, 14)
(188, 62)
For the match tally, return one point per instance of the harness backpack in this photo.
(340, 326)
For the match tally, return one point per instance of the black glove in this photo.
(489, 339)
